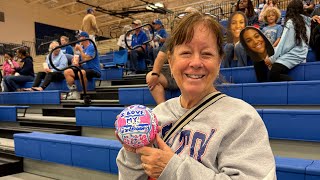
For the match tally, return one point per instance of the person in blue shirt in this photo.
(138, 38)
(160, 36)
(49, 74)
(67, 50)
(90, 69)
(273, 30)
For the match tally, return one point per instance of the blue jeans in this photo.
(11, 83)
(243, 58)
(135, 56)
(240, 54)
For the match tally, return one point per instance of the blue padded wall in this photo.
(293, 124)
(291, 168)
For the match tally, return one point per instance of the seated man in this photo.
(138, 38)
(160, 79)
(50, 75)
(160, 37)
(89, 70)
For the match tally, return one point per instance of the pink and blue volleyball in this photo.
(136, 126)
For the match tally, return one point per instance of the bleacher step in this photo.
(61, 112)
(93, 102)
(128, 81)
(104, 95)
(8, 131)
(24, 176)
(40, 117)
(10, 164)
(120, 86)
(59, 171)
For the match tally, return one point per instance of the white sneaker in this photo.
(73, 95)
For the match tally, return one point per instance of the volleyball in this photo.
(136, 126)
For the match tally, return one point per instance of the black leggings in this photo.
(278, 72)
(48, 78)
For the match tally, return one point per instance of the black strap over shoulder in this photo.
(193, 112)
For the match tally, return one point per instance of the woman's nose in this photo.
(196, 61)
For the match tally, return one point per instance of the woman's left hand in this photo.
(155, 160)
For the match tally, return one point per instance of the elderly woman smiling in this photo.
(227, 140)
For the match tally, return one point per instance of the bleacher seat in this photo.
(313, 171)
(114, 66)
(303, 72)
(35, 97)
(100, 154)
(85, 152)
(62, 85)
(9, 113)
(292, 168)
(103, 117)
(298, 125)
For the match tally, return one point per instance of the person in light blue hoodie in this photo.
(49, 74)
(291, 50)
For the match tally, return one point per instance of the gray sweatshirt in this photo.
(228, 140)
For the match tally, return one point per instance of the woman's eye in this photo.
(206, 55)
(185, 53)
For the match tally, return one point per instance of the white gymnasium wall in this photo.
(20, 18)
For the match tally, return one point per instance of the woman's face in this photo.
(254, 41)
(243, 4)
(6, 57)
(237, 24)
(18, 54)
(195, 65)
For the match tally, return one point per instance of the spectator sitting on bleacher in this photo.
(90, 69)
(138, 38)
(50, 75)
(246, 7)
(121, 41)
(24, 73)
(269, 3)
(291, 50)
(308, 6)
(160, 36)
(273, 31)
(315, 32)
(8, 67)
(226, 140)
(67, 49)
(235, 55)
(160, 79)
